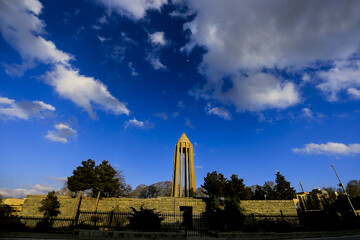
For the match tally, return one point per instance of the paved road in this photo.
(354, 237)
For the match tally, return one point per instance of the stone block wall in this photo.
(269, 207)
(162, 204)
(32, 203)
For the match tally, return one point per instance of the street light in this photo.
(342, 185)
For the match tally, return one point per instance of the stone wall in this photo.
(32, 204)
(269, 207)
(162, 204)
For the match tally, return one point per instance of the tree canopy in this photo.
(283, 190)
(50, 206)
(103, 178)
(353, 188)
(159, 189)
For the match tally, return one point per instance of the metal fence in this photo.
(197, 225)
(121, 220)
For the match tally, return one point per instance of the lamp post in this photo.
(342, 185)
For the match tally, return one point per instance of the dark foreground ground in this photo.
(82, 235)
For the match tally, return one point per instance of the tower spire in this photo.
(183, 149)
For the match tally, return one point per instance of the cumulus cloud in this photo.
(250, 36)
(260, 92)
(135, 9)
(38, 189)
(138, 124)
(329, 148)
(62, 133)
(12, 109)
(21, 28)
(219, 111)
(157, 38)
(343, 76)
(86, 92)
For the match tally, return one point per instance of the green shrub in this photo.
(145, 219)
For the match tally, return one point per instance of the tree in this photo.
(83, 177)
(163, 188)
(137, 191)
(149, 192)
(65, 191)
(283, 190)
(236, 189)
(159, 189)
(353, 188)
(200, 192)
(214, 184)
(269, 190)
(107, 181)
(50, 206)
(102, 178)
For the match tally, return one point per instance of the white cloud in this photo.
(181, 104)
(38, 189)
(11, 109)
(308, 114)
(135, 9)
(343, 76)
(86, 92)
(248, 36)
(138, 124)
(157, 38)
(175, 114)
(162, 115)
(20, 27)
(260, 92)
(188, 123)
(355, 93)
(103, 20)
(329, 148)
(103, 39)
(61, 180)
(219, 111)
(155, 62)
(134, 73)
(62, 133)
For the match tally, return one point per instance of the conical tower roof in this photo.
(183, 139)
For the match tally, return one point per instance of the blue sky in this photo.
(257, 86)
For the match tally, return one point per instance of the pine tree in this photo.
(83, 177)
(50, 206)
(283, 190)
(107, 181)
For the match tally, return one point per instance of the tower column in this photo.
(181, 169)
(184, 148)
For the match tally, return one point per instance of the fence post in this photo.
(76, 218)
(282, 216)
(110, 220)
(253, 219)
(201, 225)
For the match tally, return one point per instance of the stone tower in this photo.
(183, 150)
